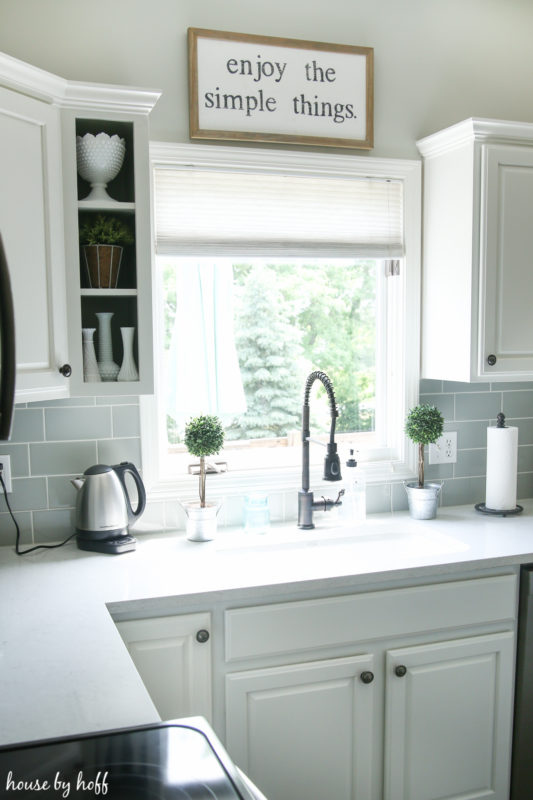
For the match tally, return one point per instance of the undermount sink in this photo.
(403, 542)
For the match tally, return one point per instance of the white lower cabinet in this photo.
(396, 694)
(448, 719)
(420, 709)
(173, 657)
(304, 730)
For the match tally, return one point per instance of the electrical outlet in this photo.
(444, 451)
(6, 474)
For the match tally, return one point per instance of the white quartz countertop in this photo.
(64, 668)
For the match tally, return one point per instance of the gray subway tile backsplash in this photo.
(125, 421)
(61, 458)
(113, 451)
(56, 440)
(444, 402)
(456, 387)
(478, 405)
(7, 528)
(78, 422)
(470, 433)
(28, 425)
(518, 404)
(52, 442)
(475, 408)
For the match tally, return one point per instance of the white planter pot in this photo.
(423, 502)
(201, 522)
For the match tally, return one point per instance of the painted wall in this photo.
(436, 62)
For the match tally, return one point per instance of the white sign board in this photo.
(265, 89)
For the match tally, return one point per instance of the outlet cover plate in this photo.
(6, 462)
(444, 451)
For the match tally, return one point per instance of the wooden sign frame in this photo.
(265, 89)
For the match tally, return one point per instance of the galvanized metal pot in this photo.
(423, 502)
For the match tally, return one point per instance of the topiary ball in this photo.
(424, 424)
(204, 436)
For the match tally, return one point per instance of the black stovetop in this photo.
(178, 760)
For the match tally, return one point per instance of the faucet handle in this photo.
(315, 441)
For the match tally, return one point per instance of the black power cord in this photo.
(17, 540)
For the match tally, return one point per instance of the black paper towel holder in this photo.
(507, 512)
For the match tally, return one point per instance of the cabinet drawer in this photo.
(332, 622)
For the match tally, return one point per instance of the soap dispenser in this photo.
(354, 501)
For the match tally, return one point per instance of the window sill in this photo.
(233, 484)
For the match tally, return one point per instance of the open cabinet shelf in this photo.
(123, 296)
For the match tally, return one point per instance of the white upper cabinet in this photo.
(477, 291)
(42, 204)
(31, 224)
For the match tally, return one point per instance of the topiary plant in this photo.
(423, 426)
(204, 436)
(104, 229)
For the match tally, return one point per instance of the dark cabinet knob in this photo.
(202, 636)
(400, 670)
(66, 370)
(491, 360)
(367, 677)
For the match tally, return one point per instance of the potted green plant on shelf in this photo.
(424, 425)
(103, 238)
(204, 436)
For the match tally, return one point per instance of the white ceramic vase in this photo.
(106, 366)
(201, 522)
(128, 370)
(90, 365)
(99, 158)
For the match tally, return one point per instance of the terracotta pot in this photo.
(103, 265)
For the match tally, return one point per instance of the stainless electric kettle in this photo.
(104, 510)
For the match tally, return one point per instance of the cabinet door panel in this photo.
(305, 730)
(506, 286)
(173, 665)
(448, 720)
(32, 229)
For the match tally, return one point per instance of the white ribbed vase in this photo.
(128, 370)
(106, 366)
(90, 366)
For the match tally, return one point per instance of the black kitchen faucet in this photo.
(332, 466)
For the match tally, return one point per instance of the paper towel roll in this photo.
(502, 453)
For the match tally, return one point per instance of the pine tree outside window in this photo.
(304, 297)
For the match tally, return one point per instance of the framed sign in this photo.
(264, 89)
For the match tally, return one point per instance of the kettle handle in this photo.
(121, 469)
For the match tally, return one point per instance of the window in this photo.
(268, 266)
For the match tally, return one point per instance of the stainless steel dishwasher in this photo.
(522, 762)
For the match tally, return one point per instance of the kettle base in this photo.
(113, 545)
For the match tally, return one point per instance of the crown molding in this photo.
(25, 78)
(473, 130)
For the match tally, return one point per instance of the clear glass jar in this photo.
(256, 513)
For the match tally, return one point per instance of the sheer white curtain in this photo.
(203, 375)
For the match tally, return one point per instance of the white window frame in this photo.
(403, 312)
